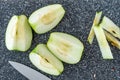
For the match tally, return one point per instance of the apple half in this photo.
(95, 23)
(44, 60)
(18, 34)
(65, 47)
(46, 18)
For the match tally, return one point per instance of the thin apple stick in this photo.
(115, 42)
(109, 26)
(95, 22)
(103, 44)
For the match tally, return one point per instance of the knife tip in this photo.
(10, 62)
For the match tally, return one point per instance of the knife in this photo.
(28, 72)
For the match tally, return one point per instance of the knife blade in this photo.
(28, 72)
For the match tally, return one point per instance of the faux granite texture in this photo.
(77, 21)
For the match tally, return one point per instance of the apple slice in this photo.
(115, 42)
(46, 18)
(65, 47)
(42, 58)
(96, 22)
(18, 34)
(103, 44)
(109, 26)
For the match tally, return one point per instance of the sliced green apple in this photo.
(103, 44)
(44, 60)
(18, 34)
(65, 47)
(115, 42)
(46, 18)
(109, 26)
(96, 22)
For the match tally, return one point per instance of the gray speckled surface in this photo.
(77, 21)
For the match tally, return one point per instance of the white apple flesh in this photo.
(18, 34)
(44, 60)
(115, 42)
(103, 44)
(96, 22)
(65, 47)
(111, 27)
(46, 18)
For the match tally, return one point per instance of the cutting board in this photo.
(77, 21)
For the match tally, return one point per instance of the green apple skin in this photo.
(46, 18)
(66, 47)
(18, 34)
(44, 60)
